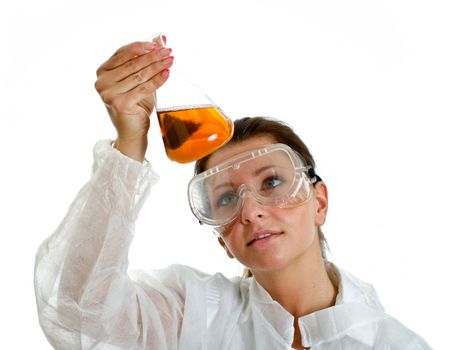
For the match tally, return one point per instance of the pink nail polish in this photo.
(163, 37)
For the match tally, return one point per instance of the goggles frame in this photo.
(304, 176)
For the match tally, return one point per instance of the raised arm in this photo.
(84, 294)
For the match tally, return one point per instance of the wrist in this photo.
(134, 149)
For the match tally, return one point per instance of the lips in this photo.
(262, 235)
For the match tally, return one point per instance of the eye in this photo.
(226, 199)
(272, 182)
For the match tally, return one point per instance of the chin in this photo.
(269, 263)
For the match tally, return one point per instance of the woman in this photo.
(265, 203)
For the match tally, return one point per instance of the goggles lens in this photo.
(273, 175)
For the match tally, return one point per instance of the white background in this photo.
(372, 88)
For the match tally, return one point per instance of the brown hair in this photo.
(281, 132)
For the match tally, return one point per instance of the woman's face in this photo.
(284, 235)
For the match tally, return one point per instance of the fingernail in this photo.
(169, 61)
(165, 52)
(148, 46)
(163, 37)
(165, 73)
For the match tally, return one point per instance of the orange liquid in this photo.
(192, 132)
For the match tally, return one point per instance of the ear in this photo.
(222, 243)
(321, 202)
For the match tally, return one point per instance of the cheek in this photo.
(298, 217)
(233, 246)
(232, 236)
(300, 220)
(234, 240)
(225, 231)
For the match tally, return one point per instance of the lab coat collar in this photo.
(356, 303)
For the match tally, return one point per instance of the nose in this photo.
(251, 209)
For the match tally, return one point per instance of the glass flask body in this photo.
(192, 132)
(192, 125)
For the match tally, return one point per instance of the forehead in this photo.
(234, 149)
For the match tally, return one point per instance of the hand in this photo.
(127, 82)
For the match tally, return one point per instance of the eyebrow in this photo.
(255, 173)
(262, 169)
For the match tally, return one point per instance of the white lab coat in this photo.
(87, 300)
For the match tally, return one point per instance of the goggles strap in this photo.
(313, 176)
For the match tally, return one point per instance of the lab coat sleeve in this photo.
(85, 297)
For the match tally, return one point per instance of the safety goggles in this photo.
(274, 175)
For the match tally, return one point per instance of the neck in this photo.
(302, 287)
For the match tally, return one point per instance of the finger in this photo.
(148, 88)
(135, 65)
(160, 40)
(126, 53)
(107, 79)
(142, 76)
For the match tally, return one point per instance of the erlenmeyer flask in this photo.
(191, 124)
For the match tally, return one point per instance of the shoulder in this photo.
(392, 334)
